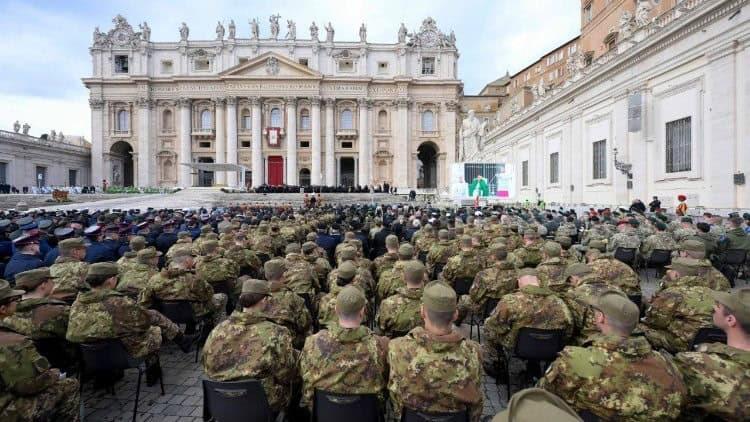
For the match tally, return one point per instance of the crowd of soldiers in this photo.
(368, 300)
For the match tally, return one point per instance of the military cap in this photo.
(552, 249)
(28, 280)
(6, 291)
(530, 233)
(414, 269)
(107, 269)
(406, 250)
(25, 223)
(527, 271)
(210, 245)
(256, 286)
(62, 232)
(178, 253)
(686, 219)
(660, 226)
(564, 240)
(45, 224)
(347, 253)
(685, 266)
(497, 248)
(148, 253)
(311, 237)
(614, 304)
(70, 244)
(391, 241)
(111, 228)
(137, 243)
(598, 245)
(738, 302)
(577, 269)
(443, 234)
(28, 238)
(184, 235)
(536, 404)
(206, 229)
(465, 240)
(92, 230)
(692, 245)
(308, 247)
(274, 268)
(347, 270)
(428, 227)
(4, 223)
(439, 297)
(350, 299)
(293, 248)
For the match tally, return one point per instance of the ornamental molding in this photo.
(680, 88)
(184, 102)
(200, 52)
(96, 104)
(272, 66)
(121, 36)
(430, 36)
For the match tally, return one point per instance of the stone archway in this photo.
(427, 168)
(121, 168)
(304, 177)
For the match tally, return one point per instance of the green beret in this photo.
(414, 270)
(146, 254)
(693, 246)
(311, 237)
(28, 280)
(207, 229)
(210, 245)
(738, 301)
(350, 300)
(615, 304)
(465, 240)
(347, 270)
(552, 249)
(564, 240)
(107, 269)
(274, 268)
(70, 244)
(439, 297)
(531, 233)
(406, 250)
(526, 271)
(292, 248)
(180, 252)
(577, 269)
(347, 253)
(309, 247)
(256, 286)
(685, 266)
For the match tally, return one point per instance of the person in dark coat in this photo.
(112, 239)
(26, 257)
(327, 242)
(654, 205)
(378, 242)
(96, 251)
(61, 233)
(167, 238)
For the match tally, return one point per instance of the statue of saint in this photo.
(274, 20)
(643, 13)
(60, 136)
(291, 30)
(254, 29)
(145, 31)
(184, 32)
(471, 136)
(541, 90)
(402, 33)
(314, 32)
(52, 135)
(115, 174)
(626, 25)
(219, 31)
(26, 128)
(363, 33)
(232, 30)
(16, 126)
(329, 32)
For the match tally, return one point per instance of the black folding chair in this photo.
(346, 407)
(478, 320)
(638, 300)
(463, 285)
(108, 356)
(708, 335)
(181, 312)
(658, 259)
(60, 353)
(235, 401)
(422, 256)
(410, 415)
(535, 346)
(626, 255)
(732, 262)
(436, 270)
(587, 416)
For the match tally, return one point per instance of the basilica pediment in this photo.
(270, 66)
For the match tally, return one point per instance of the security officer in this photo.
(96, 250)
(26, 256)
(61, 233)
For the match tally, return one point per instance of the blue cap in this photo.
(92, 230)
(62, 232)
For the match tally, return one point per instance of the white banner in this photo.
(273, 137)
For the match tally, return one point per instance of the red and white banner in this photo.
(274, 136)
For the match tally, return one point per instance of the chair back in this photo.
(539, 344)
(422, 256)
(708, 335)
(235, 401)
(463, 285)
(346, 407)
(105, 355)
(436, 270)
(587, 416)
(489, 306)
(626, 255)
(58, 352)
(178, 311)
(660, 257)
(735, 256)
(409, 415)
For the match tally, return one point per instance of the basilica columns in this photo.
(316, 170)
(401, 145)
(221, 146)
(144, 155)
(291, 141)
(330, 145)
(232, 139)
(185, 179)
(97, 141)
(257, 143)
(364, 145)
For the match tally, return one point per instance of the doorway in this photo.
(122, 165)
(205, 177)
(41, 176)
(346, 171)
(275, 170)
(304, 177)
(427, 166)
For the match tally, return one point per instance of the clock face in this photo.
(121, 37)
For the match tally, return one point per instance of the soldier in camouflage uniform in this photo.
(250, 345)
(392, 280)
(439, 254)
(347, 358)
(364, 276)
(435, 369)
(321, 265)
(598, 230)
(716, 374)
(69, 270)
(399, 313)
(676, 313)
(221, 273)
(686, 230)
(286, 307)
(490, 285)
(659, 240)
(708, 274)
(198, 243)
(614, 271)
(130, 258)
(466, 265)
(386, 261)
(184, 241)
(278, 242)
(423, 240)
(568, 254)
(615, 376)
(300, 275)
(345, 275)
(37, 315)
(29, 389)
(529, 255)
(532, 306)
(550, 271)
(625, 238)
(135, 277)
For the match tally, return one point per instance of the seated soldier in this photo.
(466, 265)
(716, 374)
(249, 345)
(286, 308)
(392, 280)
(434, 368)
(37, 315)
(529, 255)
(129, 258)
(136, 276)
(399, 313)
(345, 275)
(490, 285)
(221, 273)
(29, 389)
(616, 272)
(300, 275)
(439, 253)
(321, 265)
(69, 270)
(616, 376)
(386, 261)
(551, 270)
(709, 275)
(365, 354)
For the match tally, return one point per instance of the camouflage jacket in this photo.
(715, 279)
(583, 315)
(177, 284)
(712, 279)
(180, 245)
(384, 263)
(626, 239)
(467, 264)
(439, 253)
(264, 244)
(321, 266)
(360, 280)
(531, 306)
(493, 282)
(248, 345)
(528, 256)
(617, 379)
(345, 361)
(244, 258)
(597, 231)
(327, 311)
(300, 275)
(400, 313)
(677, 313)
(69, 277)
(135, 279)
(288, 309)
(435, 373)
(617, 273)
(423, 243)
(681, 234)
(660, 240)
(127, 261)
(215, 269)
(108, 314)
(391, 280)
(716, 377)
(550, 274)
(40, 318)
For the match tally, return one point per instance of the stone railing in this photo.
(84, 148)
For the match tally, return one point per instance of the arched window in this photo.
(275, 117)
(123, 121)
(383, 121)
(428, 121)
(246, 120)
(304, 177)
(167, 170)
(205, 119)
(304, 119)
(166, 121)
(347, 120)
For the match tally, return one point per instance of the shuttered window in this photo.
(678, 145)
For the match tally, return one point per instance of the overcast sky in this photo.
(45, 43)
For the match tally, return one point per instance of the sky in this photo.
(45, 43)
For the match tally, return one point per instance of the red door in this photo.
(275, 170)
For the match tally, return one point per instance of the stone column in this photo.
(144, 146)
(331, 167)
(315, 171)
(232, 139)
(97, 141)
(257, 143)
(291, 141)
(364, 145)
(401, 145)
(221, 142)
(186, 155)
(449, 136)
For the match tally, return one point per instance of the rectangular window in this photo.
(382, 67)
(304, 144)
(3, 173)
(305, 122)
(303, 61)
(202, 64)
(166, 67)
(525, 173)
(204, 144)
(346, 66)
(245, 144)
(121, 64)
(599, 149)
(554, 167)
(428, 65)
(247, 122)
(678, 146)
(347, 145)
(72, 177)
(587, 14)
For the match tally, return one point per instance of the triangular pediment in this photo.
(270, 66)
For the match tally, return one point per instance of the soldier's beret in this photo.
(660, 226)
(210, 245)
(692, 245)
(350, 300)
(527, 271)
(107, 269)
(137, 243)
(465, 240)
(738, 302)
(686, 219)
(70, 244)
(212, 236)
(598, 244)
(536, 404)
(577, 269)
(256, 286)
(28, 280)
(414, 270)
(685, 266)
(183, 235)
(428, 227)
(181, 252)
(564, 240)
(147, 253)
(309, 247)
(130, 254)
(347, 270)
(439, 297)
(615, 304)
(531, 233)
(406, 250)
(552, 249)
(292, 248)
(6, 291)
(274, 268)
(311, 237)
(347, 253)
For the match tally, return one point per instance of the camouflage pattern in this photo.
(327, 312)
(617, 273)
(571, 256)
(659, 240)
(384, 263)
(617, 378)
(527, 256)
(288, 309)
(435, 373)
(181, 244)
(300, 275)
(391, 280)
(467, 264)
(362, 280)
(597, 231)
(710, 242)
(40, 318)
(345, 361)
(567, 229)
(583, 315)
(216, 269)
(135, 278)
(716, 380)
(248, 345)
(29, 389)
(676, 313)
(439, 253)
(245, 259)
(550, 274)
(400, 313)
(624, 239)
(717, 230)
(69, 277)
(423, 242)
(177, 284)
(683, 233)
(321, 266)
(714, 279)
(494, 282)
(126, 261)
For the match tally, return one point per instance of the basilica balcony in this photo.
(347, 134)
(121, 133)
(429, 134)
(204, 132)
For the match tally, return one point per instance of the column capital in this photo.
(290, 101)
(315, 101)
(451, 105)
(403, 102)
(219, 101)
(363, 101)
(255, 101)
(231, 101)
(144, 102)
(329, 102)
(184, 102)
(96, 103)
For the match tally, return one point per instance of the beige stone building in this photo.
(274, 108)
